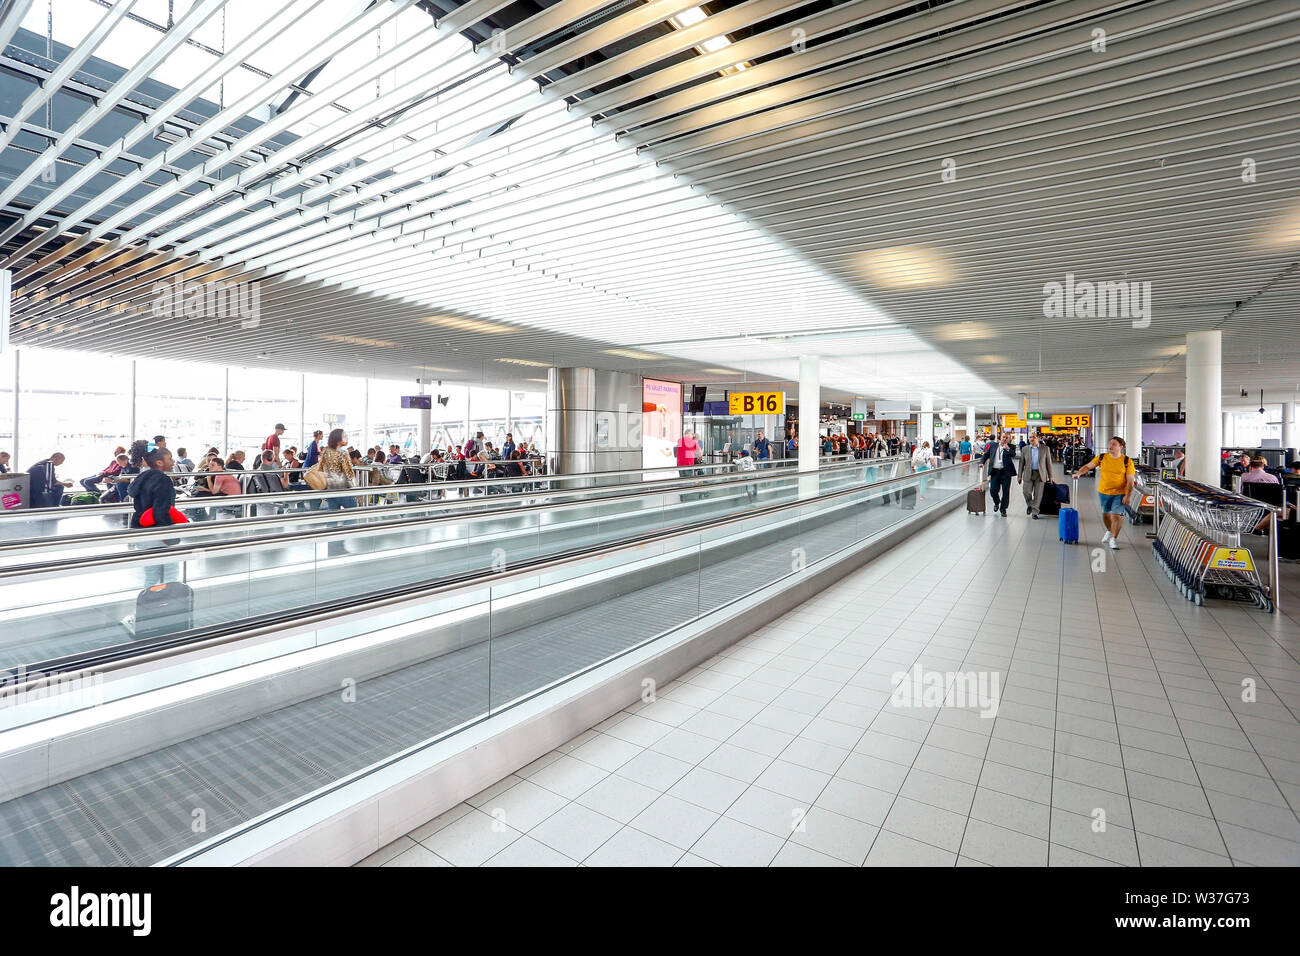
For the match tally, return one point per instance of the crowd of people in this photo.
(276, 468)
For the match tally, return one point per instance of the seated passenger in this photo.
(215, 480)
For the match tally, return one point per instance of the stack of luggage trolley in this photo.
(1198, 542)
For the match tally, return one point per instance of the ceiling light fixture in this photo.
(694, 15)
(906, 267)
(468, 325)
(356, 340)
(528, 362)
(1285, 231)
(633, 354)
(961, 331)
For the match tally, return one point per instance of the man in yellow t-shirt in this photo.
(1113, 485)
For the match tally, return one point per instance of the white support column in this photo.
(426, 421)
(18, 390)
(130, 434)
(810, 402)
(1133, 421)
(925, 420)
(970, 423)
(1289, 431)
(1204, 405)
(1227, 437)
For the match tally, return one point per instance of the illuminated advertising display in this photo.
(661, 424)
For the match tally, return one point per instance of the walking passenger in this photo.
(1035, 474)
(313, 450)
(999, 467)
(923, 460)
(1113, 486)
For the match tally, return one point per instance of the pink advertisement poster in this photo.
(661, 423)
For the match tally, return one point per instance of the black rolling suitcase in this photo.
(164, 609)
(977, 501)
(907, 497)
(1050, 505)
(1288, 541)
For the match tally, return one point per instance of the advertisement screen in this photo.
(661, 424)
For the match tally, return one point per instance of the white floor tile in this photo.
(575, 831)
(629, 847)
(732, 843)
(472, 839)
(674, 821)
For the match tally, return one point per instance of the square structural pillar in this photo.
(810, 403)
(1204, 405)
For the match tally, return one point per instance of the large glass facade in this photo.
(7, 370)
(333, 401)
(489, 411)
(86, 404)
(183, 401)
(260, 399)
(1249, 429)
(390, 423)
(450, 418)
(77, 403)
(528, 417)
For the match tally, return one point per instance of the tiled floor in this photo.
(1120, 735)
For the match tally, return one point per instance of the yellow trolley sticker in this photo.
(1232, 559)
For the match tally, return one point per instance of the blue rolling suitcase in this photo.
(1068, 521)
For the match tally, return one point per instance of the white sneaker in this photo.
(1113, 545)
(1105, 537)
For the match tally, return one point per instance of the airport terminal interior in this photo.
(649, 433)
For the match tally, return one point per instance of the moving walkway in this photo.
(237, 726)
(81, 603)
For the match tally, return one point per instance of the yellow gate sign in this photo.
(1232, 559)
(1014, 421)
(1071, 421)
(756, 403)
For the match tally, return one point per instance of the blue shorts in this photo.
(1112, 504)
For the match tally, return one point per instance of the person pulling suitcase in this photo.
(999, 467)
(1034, 474)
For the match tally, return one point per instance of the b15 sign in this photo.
(1071, 421)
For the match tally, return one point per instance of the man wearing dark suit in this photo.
(1034, 472)
(999, 467)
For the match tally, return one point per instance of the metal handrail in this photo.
(402, 596)
(388, 511)
(396, 524)
(230, 501)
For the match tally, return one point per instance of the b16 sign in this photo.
(756, 403)
(1071, 421)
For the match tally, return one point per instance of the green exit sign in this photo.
(859, 417)
(1033, 416)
